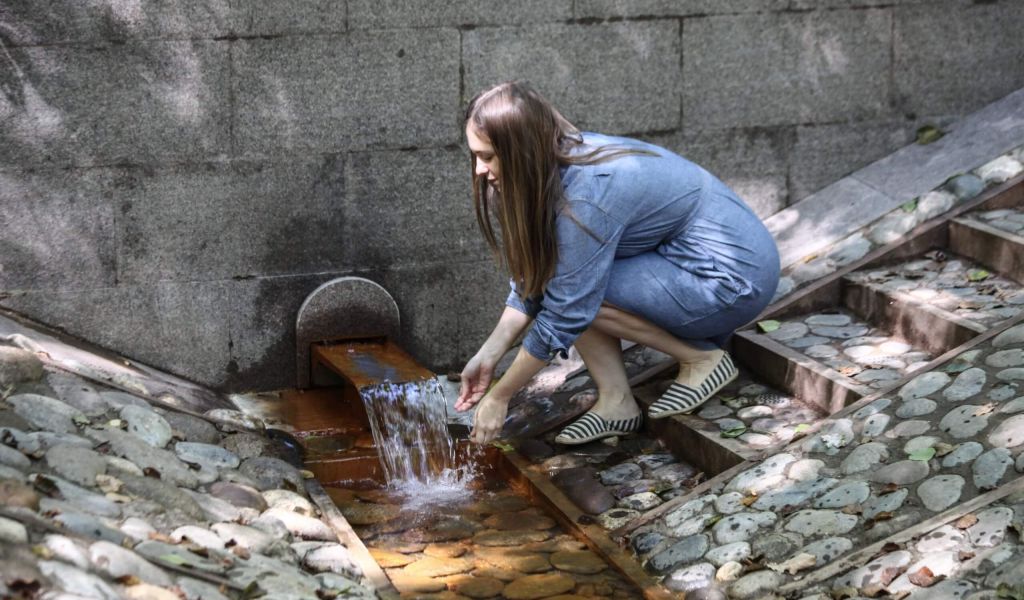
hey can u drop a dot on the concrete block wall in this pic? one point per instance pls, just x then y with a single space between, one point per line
177 175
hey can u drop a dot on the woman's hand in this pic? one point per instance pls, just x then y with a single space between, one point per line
489 419
476 378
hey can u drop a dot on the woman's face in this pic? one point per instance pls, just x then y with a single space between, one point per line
486 163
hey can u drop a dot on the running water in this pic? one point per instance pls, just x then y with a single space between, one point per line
410 429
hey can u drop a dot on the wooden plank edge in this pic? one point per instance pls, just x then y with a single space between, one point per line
347 536
593 535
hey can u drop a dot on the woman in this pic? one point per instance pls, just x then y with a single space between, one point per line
605 239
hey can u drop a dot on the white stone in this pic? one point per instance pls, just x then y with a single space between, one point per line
12 532
934 203
734 552
762 476
814 522
892 226
1009 433
991 526
999 170
940 492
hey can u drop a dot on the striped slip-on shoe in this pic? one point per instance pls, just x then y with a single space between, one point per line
592 427
682 399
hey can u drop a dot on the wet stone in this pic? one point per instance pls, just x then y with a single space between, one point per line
940 492
924 385
532 587
890 503
75 463
942 539
901 473
845 495
714 411
821 351
916 407
147 425
517 520
192 429
827 549
990 468
808 341
578 561
476 587
509 538
736 551
754 412
741 526
836 320
584 490
991 526
46 413
146 456
1012 374
693 577
683 552
763 476
965 421
621 473
756 584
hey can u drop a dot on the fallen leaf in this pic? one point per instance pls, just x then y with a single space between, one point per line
128 580
1006 590
977 275
889 488
307 474
885 515
749 500
852 509
888 574
965 521
924 454
923 577
151 472
926 134
802 427
796 564
768 326
909 206
173 559
156 536
80 420
984 409
942 448
964 555
503 446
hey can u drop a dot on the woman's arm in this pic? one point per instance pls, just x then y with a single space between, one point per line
479 371
490 415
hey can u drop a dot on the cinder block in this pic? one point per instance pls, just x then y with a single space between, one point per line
954 57
403 208
136 102
272 17
395 14
753 162
181 327
56 229
238 219
761 70
614 78
824 153
387 89
28 23
604 9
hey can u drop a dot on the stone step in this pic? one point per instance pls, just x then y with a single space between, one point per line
992 237
872 470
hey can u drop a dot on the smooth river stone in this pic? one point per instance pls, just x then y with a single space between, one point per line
871 574
923 385
754 412
964 421
920 443
821 351
730 503
1014 374
793 495
940 492
715 411
874 408
837 320
875 425
761 477
1006 358
990 467
756 585
917 407
531 587
827 549
694 577
621 473
808 341
991 526
741 526
845 495
962 454
147 425
902 472
1013 336
909 429
1013 406
1009 433
942 539
683 552
864 457
890 502
736 551
76 464
843 333
812 522
48 414
966 385
788 331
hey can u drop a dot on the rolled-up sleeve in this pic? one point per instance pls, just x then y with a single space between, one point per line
587 241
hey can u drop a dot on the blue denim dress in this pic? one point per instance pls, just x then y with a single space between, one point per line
658 237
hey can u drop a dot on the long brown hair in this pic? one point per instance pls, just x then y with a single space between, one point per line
531 140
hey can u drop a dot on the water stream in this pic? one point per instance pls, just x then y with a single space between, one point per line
409 425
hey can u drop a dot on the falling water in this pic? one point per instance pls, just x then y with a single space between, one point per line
409 425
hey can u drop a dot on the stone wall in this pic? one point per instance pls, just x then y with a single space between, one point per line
176 176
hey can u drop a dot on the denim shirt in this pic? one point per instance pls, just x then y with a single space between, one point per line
629 205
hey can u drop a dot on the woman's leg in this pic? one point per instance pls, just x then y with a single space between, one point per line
695 364
602 353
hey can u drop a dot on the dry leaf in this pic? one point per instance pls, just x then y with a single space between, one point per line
156 536
890 573
885 515
852 509
796 564
965 521
752 498
108 484
889 488
128 580
942 448
240 552
984 409
964 555
924 577
151 472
